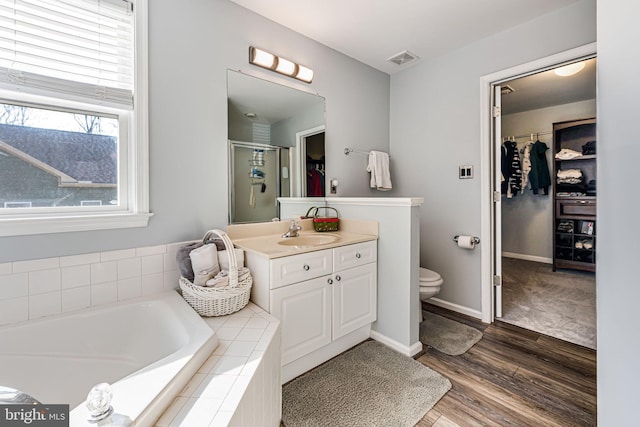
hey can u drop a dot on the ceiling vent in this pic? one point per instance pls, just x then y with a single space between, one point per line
506 90
403 58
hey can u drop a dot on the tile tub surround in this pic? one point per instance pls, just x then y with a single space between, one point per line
245 366
42 287
239 385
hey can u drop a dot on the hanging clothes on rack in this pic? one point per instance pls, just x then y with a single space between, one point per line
539 174
526 164
511 169
315 177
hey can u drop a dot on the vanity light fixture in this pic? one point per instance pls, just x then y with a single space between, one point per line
569 70
273 62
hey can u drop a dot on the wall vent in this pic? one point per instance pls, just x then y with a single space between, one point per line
506 90
403 58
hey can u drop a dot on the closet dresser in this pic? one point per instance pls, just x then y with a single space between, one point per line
574 193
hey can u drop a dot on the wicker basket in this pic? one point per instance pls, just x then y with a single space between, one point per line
219 301
325 223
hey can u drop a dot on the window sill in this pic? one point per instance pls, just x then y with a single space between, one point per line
62 224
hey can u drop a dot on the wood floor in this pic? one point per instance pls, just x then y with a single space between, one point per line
513 377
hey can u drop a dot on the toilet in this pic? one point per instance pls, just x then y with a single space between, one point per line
430 283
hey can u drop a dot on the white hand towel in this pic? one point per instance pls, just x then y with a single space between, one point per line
221 279
379 168
205 263
252 198
223 259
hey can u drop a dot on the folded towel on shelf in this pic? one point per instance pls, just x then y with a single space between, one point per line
379 168
567 154
569 173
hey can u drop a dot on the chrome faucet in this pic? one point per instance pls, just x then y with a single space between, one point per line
293 229
12 396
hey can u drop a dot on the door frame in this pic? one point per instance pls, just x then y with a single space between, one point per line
487 163
298 169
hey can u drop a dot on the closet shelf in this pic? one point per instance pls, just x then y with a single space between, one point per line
575 215
578 158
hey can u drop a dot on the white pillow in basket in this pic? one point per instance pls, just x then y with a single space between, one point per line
223 259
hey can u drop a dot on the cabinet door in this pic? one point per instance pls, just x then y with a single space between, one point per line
304 310
354 299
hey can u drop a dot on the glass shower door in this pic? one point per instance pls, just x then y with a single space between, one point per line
254 182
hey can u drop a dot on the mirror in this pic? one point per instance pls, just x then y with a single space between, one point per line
276 146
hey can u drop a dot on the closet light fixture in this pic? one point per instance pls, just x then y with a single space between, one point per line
280 65
569 70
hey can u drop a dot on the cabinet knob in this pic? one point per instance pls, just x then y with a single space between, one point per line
338 278
306 267
330 281
358 255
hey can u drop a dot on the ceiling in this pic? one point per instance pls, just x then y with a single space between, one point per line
372 31
546 89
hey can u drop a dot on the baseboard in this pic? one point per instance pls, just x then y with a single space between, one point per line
455 307
410 351
528 257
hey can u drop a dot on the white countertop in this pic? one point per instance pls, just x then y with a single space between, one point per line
264 238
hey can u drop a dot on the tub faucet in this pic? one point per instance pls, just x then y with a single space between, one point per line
12 396
293 229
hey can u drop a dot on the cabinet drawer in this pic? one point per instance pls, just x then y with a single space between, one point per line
354 255
293 269
576 208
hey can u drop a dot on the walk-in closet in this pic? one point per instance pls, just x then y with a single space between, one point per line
548 203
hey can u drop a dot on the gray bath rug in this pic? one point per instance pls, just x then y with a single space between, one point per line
369 385
446 335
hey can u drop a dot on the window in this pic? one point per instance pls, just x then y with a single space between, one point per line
73 118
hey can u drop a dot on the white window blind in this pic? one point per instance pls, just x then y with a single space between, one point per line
80 49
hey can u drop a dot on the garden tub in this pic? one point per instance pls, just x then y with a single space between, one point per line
146 348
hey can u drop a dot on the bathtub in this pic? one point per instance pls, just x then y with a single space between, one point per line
146 348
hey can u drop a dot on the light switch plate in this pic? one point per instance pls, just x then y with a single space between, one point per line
465 172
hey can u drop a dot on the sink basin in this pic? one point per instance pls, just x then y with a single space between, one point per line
307 240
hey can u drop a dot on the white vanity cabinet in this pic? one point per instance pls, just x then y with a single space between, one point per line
326 301
305 312
354 296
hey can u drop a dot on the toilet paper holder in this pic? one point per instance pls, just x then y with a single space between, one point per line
475 239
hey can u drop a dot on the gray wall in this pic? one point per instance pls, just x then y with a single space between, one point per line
527 218
283 133
618 206
435 127
191 45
